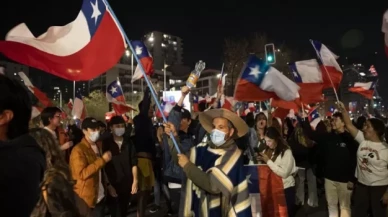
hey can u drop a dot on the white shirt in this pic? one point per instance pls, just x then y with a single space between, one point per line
119 143
284 166
372 162
101 191
52 132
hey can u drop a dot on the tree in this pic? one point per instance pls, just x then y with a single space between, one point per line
236 52
96 105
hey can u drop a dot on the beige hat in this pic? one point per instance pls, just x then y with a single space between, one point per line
206 120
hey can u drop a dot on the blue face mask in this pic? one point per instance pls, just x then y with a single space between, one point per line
217 137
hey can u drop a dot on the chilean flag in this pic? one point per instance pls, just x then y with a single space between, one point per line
314 117
79 108
145 60
329 67
80 50
259 81
42 98
114 95
384 28
307 74
365 89
266 192
70 104
35 112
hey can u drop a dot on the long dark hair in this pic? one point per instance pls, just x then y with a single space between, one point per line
281 146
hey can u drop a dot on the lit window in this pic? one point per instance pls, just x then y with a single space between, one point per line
178 81
174 42
163 45
165 36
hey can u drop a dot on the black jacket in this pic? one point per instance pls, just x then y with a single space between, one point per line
336 155
22 165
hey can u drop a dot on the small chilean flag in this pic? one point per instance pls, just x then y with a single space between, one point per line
42 98
364 88
115 95
80 50
145 60
331 70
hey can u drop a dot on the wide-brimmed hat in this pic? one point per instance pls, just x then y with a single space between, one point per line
206 120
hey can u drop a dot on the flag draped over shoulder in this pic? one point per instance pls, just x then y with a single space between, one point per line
80 50
266 191
225 168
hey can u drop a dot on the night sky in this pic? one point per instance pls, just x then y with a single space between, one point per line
350 30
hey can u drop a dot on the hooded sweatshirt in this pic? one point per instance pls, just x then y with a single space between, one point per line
22 165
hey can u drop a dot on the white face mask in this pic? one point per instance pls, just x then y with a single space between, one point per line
94 136
119 131
217 137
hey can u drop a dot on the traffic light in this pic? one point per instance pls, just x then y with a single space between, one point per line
270 54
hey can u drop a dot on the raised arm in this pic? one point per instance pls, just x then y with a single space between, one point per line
348 123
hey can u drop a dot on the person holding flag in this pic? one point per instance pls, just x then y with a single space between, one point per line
214 169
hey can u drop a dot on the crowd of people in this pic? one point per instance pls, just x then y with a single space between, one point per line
97 169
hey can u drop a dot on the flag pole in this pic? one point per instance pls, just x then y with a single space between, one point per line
327 72
73 91
143 71
132 84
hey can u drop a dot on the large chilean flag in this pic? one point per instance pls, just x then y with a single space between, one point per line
80 50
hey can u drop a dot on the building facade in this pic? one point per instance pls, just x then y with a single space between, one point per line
207 83
165 49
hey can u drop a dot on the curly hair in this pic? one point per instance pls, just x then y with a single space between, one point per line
57 182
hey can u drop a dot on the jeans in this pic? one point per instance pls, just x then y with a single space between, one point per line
99 209
338 193
311 187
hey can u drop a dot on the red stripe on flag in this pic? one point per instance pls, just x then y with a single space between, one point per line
247 91
335 76
366 93
272 197
80 65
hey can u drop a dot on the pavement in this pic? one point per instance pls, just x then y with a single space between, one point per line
305 211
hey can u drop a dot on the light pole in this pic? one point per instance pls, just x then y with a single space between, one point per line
60 96
165 76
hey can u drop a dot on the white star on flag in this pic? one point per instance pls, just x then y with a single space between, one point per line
113 90
295 75
96 12
249 179
138 50
255 71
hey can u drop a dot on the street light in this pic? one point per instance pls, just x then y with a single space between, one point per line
60 96
362 74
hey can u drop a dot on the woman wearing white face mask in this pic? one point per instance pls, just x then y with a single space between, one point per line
86 163
122 170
